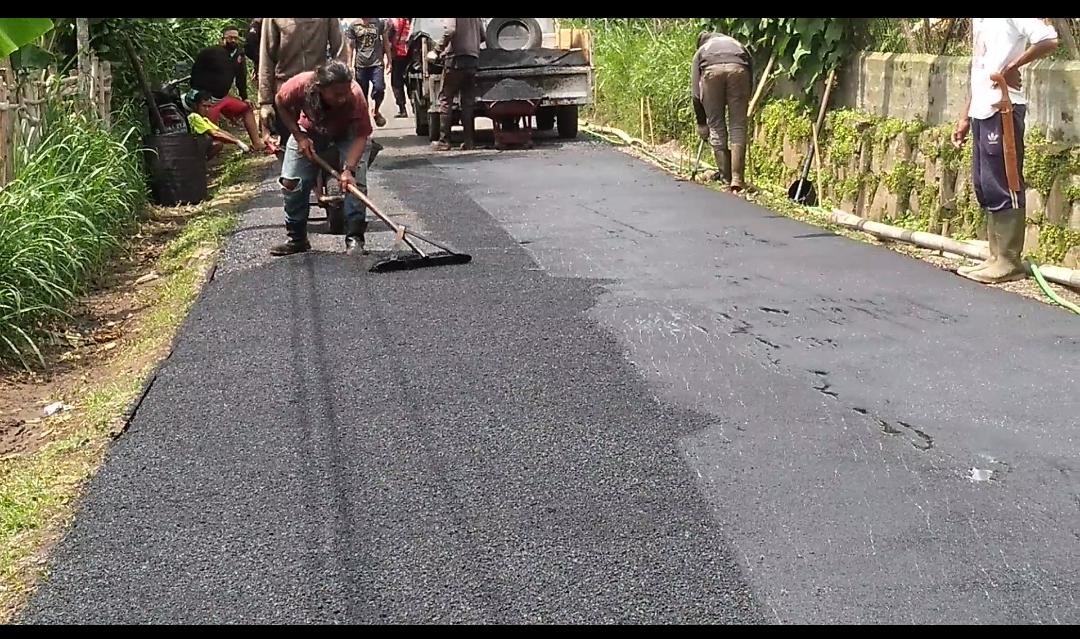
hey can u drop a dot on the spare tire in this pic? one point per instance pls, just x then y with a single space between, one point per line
514 34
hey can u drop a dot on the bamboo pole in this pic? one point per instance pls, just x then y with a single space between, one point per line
761 86
82 30
1057 274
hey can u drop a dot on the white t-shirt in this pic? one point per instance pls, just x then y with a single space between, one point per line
995 43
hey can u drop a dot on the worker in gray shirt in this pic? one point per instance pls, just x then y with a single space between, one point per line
369 47
460 49
721 82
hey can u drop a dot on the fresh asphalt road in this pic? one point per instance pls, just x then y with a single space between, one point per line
643 401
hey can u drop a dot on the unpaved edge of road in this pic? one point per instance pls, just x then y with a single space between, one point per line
775 199
102 384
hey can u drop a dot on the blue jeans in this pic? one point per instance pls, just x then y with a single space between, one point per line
294 166
374 79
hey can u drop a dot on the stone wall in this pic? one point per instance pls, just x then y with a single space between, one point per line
933 89
887 155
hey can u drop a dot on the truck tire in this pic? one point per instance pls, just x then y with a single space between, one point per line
514 34
567 117
545 119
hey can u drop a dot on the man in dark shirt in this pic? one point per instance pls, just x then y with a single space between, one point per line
320 109
721 79
215 70
461 55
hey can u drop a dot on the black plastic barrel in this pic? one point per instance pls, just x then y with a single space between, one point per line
177 168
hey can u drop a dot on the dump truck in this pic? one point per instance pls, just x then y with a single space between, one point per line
528 58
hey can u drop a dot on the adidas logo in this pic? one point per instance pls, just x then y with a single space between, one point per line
992 137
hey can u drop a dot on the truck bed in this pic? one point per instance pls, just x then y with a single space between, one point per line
492 59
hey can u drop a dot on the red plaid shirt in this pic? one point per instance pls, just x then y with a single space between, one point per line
400 41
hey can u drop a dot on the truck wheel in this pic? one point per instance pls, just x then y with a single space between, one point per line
433 127
567 119
545 119
514 34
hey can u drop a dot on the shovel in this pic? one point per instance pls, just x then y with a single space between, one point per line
419 258
697 162
801 191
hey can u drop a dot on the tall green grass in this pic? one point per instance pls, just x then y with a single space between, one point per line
645 57
79 185
60 219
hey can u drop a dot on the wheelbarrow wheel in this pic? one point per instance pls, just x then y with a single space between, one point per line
335 218
335 211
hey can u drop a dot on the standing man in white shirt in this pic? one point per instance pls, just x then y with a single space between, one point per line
1000 45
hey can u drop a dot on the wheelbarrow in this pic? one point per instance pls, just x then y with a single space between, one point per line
512 122
327 192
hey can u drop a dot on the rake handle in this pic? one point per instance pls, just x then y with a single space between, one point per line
399 229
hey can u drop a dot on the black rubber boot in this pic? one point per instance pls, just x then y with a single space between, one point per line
375 148
1007 228
737 155
469 124
298 242
444 133
995 251
723 165
354 236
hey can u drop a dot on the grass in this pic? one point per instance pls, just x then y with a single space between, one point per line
38 491
59 221
637 58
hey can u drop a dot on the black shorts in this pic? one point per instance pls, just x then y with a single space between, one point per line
988 162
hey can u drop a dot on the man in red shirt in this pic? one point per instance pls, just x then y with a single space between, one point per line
320 109
398 34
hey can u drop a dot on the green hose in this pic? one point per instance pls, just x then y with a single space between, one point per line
1049 291
617 142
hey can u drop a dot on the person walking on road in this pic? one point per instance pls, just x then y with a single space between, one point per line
721 81
288 46
320 109
1000 45
397 34
369 48
460 49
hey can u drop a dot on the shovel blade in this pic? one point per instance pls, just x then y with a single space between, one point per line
410 262
802 192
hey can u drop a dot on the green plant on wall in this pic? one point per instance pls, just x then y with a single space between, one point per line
805 48
1054 242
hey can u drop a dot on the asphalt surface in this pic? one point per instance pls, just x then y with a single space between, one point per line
643 401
